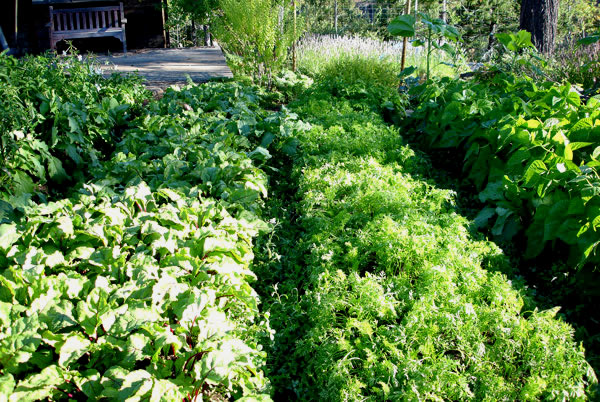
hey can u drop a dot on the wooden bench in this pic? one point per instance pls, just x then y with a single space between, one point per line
89 22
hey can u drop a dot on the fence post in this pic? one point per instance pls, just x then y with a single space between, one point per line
294 42
444 12
405 41
335 18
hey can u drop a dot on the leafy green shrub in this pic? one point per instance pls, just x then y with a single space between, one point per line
581 66
254 38
58 116
382 72
529 148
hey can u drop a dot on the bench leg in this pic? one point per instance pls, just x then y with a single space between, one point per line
124 40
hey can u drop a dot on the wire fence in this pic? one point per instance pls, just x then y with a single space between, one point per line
362 17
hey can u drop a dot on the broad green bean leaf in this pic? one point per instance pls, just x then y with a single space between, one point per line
56 170
568 231
74 154
533 172
72 349
482 218
588 40
8 235
493 191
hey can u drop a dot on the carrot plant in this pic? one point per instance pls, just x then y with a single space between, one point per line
379 291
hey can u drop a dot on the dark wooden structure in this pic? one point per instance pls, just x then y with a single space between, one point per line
91 22
27 28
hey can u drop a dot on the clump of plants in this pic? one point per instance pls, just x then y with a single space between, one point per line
385 295
58 116
319 52
256 36
137 284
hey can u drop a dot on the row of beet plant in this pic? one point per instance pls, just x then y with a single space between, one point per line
380 292
137 286
57 116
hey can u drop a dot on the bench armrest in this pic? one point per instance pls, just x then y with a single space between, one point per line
124 20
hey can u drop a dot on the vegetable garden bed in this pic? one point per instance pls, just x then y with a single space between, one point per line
142 279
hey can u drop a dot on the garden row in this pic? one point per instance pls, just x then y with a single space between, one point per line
378 289
531 151
136 285
57 117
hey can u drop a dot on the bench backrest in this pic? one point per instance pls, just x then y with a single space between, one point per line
87 19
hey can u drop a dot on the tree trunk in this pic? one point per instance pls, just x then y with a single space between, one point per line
540 18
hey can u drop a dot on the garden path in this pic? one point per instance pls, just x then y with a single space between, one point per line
165 67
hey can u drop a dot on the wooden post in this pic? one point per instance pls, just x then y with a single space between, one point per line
335 18
405 41
294 43
17 24
165 16
444 12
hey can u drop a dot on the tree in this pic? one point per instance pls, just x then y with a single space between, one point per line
540 17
